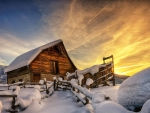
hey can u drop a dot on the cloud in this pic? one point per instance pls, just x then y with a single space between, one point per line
12 46
93 29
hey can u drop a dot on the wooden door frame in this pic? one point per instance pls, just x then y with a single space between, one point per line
57 65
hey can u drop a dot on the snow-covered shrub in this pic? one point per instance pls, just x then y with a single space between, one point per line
135 90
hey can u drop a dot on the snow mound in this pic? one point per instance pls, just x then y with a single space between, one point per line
135 90
112 107
34 95
98 98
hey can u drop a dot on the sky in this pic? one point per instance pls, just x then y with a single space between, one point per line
90 30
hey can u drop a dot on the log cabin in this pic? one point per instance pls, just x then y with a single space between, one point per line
46 61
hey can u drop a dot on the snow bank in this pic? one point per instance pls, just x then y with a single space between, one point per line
34 95
89 81
98 98
112 107
135 90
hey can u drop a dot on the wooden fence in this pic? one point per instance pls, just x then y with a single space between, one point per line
104 74
24 85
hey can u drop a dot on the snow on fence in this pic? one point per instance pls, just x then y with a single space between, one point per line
84 94
100 74
11 94
43 85
62 84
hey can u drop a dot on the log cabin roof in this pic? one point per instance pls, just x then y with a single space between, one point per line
26 58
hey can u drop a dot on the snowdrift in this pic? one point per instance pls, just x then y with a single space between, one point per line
135 90
24 103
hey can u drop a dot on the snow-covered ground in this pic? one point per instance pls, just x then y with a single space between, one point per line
110 91
61 101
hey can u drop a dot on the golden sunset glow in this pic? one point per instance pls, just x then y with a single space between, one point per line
93 29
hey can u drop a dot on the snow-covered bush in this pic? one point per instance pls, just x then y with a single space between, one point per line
135 90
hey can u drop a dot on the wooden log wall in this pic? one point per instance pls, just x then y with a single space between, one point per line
41 64
22 73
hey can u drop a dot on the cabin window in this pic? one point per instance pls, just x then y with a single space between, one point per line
54 67
13 81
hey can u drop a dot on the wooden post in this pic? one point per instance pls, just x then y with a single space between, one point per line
86 99
13 103
24 84
54 85
113 71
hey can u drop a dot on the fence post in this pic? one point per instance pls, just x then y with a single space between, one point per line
86 99
54 78
24 84
13 103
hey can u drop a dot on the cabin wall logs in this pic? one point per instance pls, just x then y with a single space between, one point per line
18 74
25 77
41 64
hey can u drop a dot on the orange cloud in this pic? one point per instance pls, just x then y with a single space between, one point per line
93 29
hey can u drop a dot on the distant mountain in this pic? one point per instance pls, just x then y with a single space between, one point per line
3 77
120 78
2 69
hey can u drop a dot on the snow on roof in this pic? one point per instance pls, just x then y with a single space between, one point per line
26 58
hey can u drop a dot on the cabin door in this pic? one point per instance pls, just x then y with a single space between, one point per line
36 77
54 67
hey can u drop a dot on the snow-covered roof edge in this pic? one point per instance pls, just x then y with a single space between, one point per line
26 58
